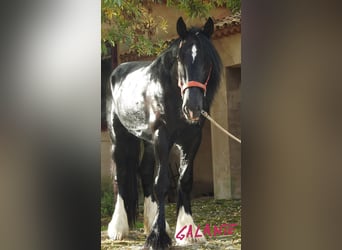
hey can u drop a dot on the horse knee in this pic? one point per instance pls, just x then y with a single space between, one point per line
186 185
162 187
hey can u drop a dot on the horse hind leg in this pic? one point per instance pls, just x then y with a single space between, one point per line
126 159
146 171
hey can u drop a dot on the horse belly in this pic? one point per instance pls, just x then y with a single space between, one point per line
131 114
131 107
138 102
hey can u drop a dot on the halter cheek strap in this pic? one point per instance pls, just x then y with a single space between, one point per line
190 84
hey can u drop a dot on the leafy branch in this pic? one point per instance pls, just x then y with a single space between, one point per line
201 8
130 22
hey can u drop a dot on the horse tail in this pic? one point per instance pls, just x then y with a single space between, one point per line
127 175
110 109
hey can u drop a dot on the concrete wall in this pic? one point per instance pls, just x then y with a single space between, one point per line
229 49
234 126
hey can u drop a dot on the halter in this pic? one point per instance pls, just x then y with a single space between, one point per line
190 84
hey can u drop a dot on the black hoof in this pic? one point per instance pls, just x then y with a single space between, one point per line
158 240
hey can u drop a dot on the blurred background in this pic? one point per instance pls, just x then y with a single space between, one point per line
50 136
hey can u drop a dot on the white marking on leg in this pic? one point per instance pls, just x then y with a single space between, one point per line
194 52
185 219
150 211
150 215
118 227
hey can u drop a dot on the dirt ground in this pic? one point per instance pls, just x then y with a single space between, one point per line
205 211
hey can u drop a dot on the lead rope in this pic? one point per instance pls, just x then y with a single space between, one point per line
206 115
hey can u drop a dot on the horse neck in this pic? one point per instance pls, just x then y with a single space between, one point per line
164 67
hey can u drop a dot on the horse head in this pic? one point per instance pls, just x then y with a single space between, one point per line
194 67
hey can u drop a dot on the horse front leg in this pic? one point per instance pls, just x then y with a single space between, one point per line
146 171
186 230
158 237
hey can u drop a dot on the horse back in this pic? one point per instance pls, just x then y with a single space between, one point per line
126 68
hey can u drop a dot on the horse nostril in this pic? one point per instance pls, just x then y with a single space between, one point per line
192 113
186 110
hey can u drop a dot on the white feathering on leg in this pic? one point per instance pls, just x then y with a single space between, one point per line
118 227
150 213
185 219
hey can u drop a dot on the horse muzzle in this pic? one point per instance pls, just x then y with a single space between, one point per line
192 116
192 104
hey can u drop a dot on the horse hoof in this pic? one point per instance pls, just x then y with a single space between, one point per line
189 241
167 228
158 240
115 232
187 232
118 227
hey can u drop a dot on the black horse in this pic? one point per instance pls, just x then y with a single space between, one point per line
151 107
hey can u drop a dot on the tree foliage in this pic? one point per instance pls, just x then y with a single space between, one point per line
200 8
130 22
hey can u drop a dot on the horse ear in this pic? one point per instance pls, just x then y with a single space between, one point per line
181 28
208 29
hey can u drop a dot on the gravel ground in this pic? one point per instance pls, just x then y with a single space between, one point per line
205 211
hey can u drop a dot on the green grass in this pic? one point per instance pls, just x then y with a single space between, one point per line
107 199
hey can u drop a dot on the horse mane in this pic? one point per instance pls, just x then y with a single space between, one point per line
167 58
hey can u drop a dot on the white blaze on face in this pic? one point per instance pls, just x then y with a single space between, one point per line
194 52
118 227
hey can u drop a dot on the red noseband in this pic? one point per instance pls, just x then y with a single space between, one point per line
190 84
